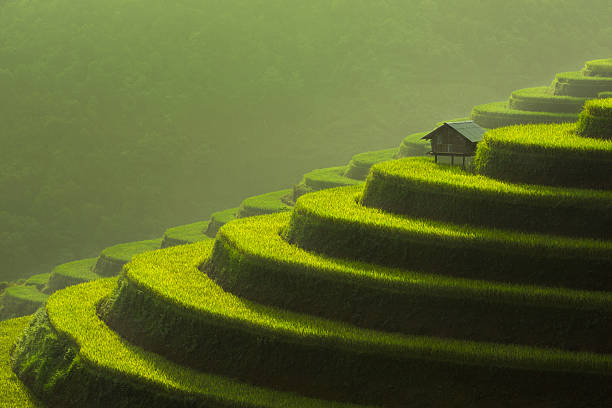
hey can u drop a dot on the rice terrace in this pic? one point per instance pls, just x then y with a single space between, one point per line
393 281
468 266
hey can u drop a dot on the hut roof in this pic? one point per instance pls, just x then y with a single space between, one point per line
468 129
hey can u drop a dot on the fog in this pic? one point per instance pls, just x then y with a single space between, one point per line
120 119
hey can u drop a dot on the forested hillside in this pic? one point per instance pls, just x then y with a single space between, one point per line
121 118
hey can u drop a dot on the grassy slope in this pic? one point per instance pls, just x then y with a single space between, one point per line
71 273
332 222
545 154
13 394
190 305
252 261
264 204
20 300
103 355
112 259
420 188
498 114
185 234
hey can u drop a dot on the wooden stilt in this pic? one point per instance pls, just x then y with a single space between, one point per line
436 158
452 160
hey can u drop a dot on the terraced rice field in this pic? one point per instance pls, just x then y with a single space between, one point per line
425 285
559 102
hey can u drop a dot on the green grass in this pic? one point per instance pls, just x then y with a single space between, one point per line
320 179
413 145
218 219
545 154
359 166
185 234
330 177
596 119
179 308
112 259
13 394
98 368
252 261
576 84
498 114
267 203
542 99
420 188
332 222
71 273
605 94
39 280
599 67
17 301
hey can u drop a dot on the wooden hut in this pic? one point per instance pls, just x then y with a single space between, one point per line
455 139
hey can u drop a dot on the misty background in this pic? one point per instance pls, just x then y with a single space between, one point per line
121 118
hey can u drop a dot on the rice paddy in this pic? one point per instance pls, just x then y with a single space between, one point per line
105 363
542 99
71 273
220 218
268 203
576 84
13 394
359 166
112 259
499 114
251 260
599 67
554 155
21 300
185 234
420 188
596 119
332 222
429 285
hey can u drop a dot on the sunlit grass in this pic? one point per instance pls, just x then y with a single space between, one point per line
267 203
596 119
320 179
600 107
13 394
125 251
553 154
112 259
218 219
72 313
332 222
340 205
25 294
20 300
38 280
542 99
172 275
71 273
599 67
259 241
425 172
185 234
575 83
498 114
419 187
360 164
559 139
413 145
329 177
